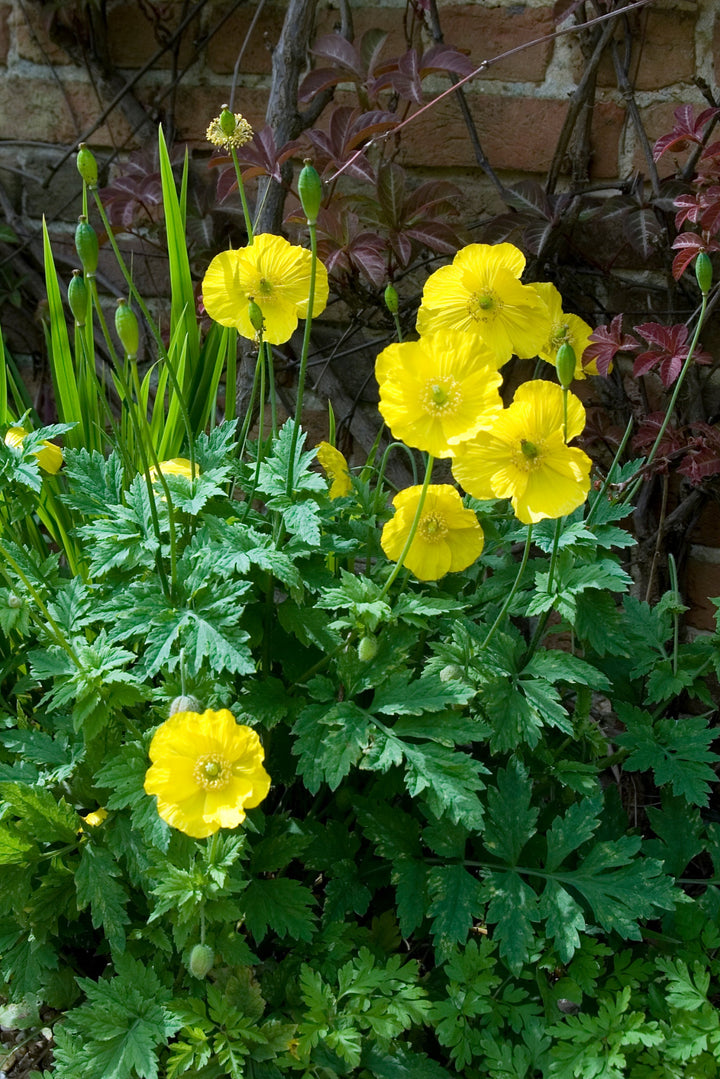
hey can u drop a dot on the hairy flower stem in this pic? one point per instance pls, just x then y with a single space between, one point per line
413 527
261 433
398 330
635 487
243 197
511 593
172 374
271 387
303 359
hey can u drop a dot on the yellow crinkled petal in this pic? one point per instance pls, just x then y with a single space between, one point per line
483 261
187 797
544 403
223 295
557 489
336 469
438 391
564 329
449 536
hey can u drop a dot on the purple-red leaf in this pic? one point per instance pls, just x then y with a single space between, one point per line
686 130
605 343
670 351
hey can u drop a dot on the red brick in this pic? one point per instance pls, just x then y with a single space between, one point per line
701 584
663 50
487 32
57 114
707 529
134 39
30 23
223 47
196 106
515 133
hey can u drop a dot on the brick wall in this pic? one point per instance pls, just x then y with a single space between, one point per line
49 100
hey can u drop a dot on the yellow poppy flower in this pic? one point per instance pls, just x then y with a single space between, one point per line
448 538
176 466
206 771
525 457
564 330
49 456
274 274
96 818
480 292
336 469
439 390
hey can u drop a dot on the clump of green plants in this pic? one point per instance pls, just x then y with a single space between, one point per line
303 774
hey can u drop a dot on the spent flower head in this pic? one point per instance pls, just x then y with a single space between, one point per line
229 130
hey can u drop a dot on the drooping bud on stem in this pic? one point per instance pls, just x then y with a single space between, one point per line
256 317
126 327
565 363
367 649
184 703
703 272
86 245
310 191
87 165
391 299
202 960
78 297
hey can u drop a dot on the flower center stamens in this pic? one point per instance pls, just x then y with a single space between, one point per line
441 396
529 449
432 527
212 772
484 305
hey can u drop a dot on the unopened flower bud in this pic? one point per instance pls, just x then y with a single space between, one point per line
391 299
87 165
367 649
14 601
86 245
256 317
565 364
202 959
310 191
126 327
703 272
450 672
227 121
78 297
185 704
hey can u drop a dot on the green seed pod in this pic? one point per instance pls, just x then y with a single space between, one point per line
703 272
565 364
78 297
86 245
367 649
87 165
185 704
227 121
126 327
310 191
391 299
202 959
256 317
